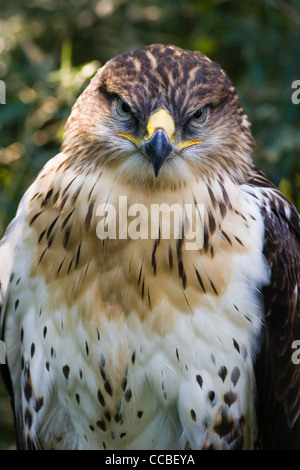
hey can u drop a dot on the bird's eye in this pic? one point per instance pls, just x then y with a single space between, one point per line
122 108
200 115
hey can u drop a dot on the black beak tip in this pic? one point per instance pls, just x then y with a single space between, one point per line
158 148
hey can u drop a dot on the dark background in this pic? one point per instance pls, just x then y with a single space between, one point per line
49 49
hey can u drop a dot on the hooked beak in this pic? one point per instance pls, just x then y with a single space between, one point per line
159 146
160 140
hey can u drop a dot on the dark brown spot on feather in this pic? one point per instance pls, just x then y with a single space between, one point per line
41 236
170 257
39 402
143 289
50 240
68 185
66 371
101 424
66 236
28 389
212 397
34 197
91 191
102 372
118 417
235 375
35 217
140 273
48 195
222 373
230 398
124 383
70 265
181 270
100 398
108 388
88 218
199 380
200 280
236 345
52 226
239 241
42 255
153 259
28 418
213 286
205 238
211 223
60 266
76 194
67 219
225 196
63 163
128 395
133 357
77 255
223 209
226 237
63 202
55 197
225 425
212 196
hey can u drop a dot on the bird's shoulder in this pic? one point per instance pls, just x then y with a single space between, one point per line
277 372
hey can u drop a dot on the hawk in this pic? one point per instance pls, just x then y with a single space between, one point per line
139 342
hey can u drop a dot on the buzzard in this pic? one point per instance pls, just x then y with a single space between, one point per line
138 341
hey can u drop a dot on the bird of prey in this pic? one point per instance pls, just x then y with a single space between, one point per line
139 341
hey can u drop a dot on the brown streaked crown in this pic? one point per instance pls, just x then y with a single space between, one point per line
166 77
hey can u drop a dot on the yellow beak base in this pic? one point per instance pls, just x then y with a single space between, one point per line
161 120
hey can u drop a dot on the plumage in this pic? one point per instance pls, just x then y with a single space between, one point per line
137 341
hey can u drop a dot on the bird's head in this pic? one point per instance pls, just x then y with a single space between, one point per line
158 115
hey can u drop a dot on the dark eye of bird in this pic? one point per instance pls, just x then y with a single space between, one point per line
125 107
200 115
122 108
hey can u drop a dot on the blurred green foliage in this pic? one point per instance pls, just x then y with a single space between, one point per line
49 49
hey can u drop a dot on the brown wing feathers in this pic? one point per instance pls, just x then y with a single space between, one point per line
278 377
